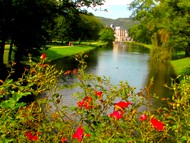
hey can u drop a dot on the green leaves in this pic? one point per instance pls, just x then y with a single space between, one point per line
51 122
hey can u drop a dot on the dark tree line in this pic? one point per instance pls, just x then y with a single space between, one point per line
29 24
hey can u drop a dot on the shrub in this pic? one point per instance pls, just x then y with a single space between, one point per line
103 113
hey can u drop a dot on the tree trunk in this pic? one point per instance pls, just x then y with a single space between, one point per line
187 51
2 48
10 51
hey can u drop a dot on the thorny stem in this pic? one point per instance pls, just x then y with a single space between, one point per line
57 108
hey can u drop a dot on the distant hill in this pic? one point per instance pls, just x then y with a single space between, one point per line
123 22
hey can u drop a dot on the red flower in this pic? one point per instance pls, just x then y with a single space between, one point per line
87 135
79 133
32 137
86 102
87 105
80 103
143 117
67 72
116 114
157 124
99 93
75 71
122 104
43 56
63 140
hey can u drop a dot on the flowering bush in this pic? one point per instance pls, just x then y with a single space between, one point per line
103 112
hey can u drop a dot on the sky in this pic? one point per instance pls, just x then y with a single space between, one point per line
116 9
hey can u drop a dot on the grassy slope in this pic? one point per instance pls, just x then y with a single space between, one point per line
181 66
142 44
57 52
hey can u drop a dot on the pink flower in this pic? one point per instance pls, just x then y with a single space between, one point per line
123 104
32 137
79 133
99 93
116 114
157 124
143 117
43 56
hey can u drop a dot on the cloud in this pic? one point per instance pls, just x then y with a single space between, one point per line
115 9
116 2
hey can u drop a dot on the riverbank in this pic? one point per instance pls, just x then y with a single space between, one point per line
149 46
181 66
57 52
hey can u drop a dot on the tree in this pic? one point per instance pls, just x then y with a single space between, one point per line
81 26
29 23
32 19
90 27
6 20
167 22
107 34
140 33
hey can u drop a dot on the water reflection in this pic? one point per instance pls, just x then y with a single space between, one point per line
122 62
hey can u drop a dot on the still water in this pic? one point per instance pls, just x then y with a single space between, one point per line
126 63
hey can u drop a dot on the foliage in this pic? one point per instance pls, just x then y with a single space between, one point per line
29 24
166 23
107 34
63 51
103 113
181 66
90 27
140 34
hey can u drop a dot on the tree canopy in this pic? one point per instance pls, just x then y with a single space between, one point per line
166 22
107 34
29 24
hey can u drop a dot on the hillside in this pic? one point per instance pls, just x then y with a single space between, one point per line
123 22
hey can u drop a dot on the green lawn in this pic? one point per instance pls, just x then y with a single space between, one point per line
6 52
57 52
181 66
149 46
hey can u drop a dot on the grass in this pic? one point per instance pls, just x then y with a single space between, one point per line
6 53
181 66
57 52
149 46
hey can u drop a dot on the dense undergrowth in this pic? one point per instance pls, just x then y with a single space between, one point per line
104 113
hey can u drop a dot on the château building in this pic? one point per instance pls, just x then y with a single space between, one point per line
120 33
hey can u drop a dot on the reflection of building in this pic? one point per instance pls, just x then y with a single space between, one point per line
120 33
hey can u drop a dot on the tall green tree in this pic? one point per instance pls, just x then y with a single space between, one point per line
167 22
90 27
29 23
107 34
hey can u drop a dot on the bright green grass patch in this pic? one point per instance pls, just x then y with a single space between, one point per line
149 46
57 52
6 53
181 66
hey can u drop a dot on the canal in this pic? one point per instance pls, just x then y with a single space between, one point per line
121 62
